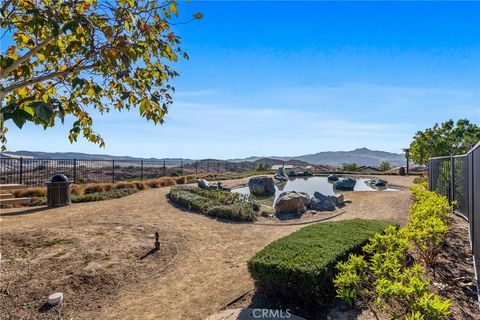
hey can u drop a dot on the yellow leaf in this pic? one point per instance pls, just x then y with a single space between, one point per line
22 92
91 93
173 8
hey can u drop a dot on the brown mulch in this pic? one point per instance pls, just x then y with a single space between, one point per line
453 277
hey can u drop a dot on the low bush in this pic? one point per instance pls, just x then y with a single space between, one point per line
124 185
97 187
180 180
78 190
112 194
30 192
300 267
216 203
386 277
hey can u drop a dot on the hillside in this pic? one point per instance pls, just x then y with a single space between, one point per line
362 156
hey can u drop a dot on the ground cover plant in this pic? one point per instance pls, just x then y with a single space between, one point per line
215 203
386 278
300 267
101 191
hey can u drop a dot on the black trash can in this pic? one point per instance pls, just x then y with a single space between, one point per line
59 191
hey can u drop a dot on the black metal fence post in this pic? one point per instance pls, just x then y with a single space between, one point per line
452 179
181 168
21 170
207 167
196 167
141 169
164 169
113 171
74 170
218 167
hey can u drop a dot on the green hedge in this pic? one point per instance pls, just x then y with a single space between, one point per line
300 267
215 203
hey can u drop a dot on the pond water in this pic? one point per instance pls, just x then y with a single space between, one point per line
310 185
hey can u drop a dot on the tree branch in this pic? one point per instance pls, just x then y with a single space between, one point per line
5 72
46 77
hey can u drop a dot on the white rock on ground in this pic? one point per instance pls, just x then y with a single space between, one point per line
55 298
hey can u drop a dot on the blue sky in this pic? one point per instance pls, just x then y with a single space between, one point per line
290 78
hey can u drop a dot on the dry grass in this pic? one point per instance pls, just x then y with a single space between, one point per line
30 192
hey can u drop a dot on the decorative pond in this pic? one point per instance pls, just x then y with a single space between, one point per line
310 185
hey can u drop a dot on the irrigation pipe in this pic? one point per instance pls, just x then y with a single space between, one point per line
157 273
229 303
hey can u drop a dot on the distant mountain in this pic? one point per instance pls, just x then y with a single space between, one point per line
80 156
362 156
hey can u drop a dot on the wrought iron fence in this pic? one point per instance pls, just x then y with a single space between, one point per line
458 178
36 172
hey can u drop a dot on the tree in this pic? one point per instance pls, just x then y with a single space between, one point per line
352 167
385 166
68 57
444 140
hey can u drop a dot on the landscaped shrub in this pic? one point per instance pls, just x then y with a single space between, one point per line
180 180
386 278
124 185
300 267
78 190
140 185
112 194
216 203
428 225
30 192
97 187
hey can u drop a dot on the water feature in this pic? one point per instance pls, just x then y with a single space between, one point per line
311 185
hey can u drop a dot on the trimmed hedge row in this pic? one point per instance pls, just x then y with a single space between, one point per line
300 267
215 203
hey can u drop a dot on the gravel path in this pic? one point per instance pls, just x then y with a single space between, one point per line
211 266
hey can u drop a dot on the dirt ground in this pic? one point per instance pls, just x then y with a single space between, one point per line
91 252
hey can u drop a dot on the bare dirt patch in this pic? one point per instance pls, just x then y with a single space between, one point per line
210 270
88 263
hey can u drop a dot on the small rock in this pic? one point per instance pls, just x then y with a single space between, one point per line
55 298
118 228
140 229
151 235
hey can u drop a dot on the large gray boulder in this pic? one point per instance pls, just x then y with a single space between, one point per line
321 202
333 177
261 186
292 202
203 184
345 184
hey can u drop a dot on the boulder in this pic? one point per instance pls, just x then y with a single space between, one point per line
321 202
402 171
222 186
203 184
333 177
261 186
292 202
345 184
380 183
338 199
